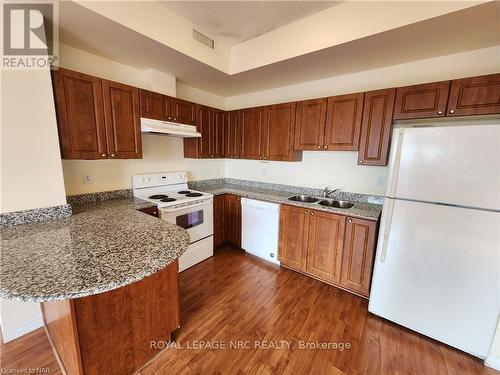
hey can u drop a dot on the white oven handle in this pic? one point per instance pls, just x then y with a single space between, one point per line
204 203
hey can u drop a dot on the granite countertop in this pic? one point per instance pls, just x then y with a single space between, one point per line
102 246
361 210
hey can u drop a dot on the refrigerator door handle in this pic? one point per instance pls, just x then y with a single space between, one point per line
395 166
387 230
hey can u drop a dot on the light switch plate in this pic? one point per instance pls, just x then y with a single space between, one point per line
86 178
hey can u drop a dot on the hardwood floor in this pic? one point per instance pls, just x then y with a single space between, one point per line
235 298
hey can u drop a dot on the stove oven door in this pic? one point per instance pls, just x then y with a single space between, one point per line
197 219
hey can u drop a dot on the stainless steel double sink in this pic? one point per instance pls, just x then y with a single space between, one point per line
321 201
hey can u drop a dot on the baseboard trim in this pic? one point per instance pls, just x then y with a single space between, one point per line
493 361
21 331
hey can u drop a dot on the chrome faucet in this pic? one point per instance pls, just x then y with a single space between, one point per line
327 193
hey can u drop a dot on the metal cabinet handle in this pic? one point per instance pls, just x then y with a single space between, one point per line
452 111
326 147
104 155
175 118
319 146
361 162
306 212
312 213
440 112
112 155
350 220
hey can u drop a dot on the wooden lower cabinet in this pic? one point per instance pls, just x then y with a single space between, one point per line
219 220
324 245
233 219
227 220
359 252
294 223
111 333
330 247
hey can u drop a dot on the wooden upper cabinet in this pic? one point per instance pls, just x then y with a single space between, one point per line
153 105
217 135
325 242
310 124
293 235
358 257
233 219
205 123
376 127
232 135
475 96
343 122
280 133
182 111
421 101
253 123
80 116
122 118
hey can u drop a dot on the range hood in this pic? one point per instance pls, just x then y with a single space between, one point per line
168 128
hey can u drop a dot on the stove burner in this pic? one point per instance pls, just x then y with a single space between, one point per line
158 196
184 192
194 195
167 199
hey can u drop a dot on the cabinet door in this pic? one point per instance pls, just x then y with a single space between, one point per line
122 118
343 122
324 250
421 101
294 226
205 123
376 127
218 133
280 133
219 222
153 105
182 111
80 117
233 219
359 251
232 135
310 124
475 96
253 137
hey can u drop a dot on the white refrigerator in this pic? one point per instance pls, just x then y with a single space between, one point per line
437 266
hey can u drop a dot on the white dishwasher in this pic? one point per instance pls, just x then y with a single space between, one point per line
260 228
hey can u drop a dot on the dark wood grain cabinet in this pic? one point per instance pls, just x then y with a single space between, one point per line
253 127
152 211
343 122
233 219
122 118
280 131
376 127
219 209
217 134
310 124
421 101
232 135
333 248
154 106
325 243
475 96
293 235
80 115
182 111
358 255
202 147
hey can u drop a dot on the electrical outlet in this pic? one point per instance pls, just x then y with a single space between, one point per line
380 182
86 178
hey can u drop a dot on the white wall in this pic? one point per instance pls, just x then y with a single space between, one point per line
159 153
340 169
31 173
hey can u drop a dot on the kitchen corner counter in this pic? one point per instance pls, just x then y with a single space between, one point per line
102 246
368 211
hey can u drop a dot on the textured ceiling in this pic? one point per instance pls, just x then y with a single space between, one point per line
236 21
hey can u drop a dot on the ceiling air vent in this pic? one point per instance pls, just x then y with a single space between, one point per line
203 39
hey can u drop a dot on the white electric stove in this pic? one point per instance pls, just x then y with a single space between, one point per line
177 204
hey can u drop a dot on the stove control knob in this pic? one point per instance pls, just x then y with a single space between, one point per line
147 179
